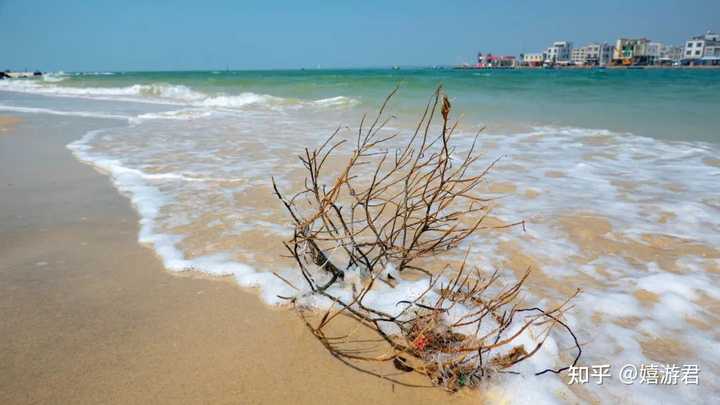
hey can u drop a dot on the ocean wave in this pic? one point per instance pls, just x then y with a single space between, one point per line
153 92
336 102
94 73
243 100
173 94
54 77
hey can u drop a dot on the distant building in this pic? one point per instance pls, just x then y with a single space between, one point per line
654 49
592 54
599 54
559 52
695 47
703 49
712 50
577 55
492 61
711 54
671 54
631 52
661 54
533 59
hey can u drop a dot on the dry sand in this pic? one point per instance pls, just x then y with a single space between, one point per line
90 316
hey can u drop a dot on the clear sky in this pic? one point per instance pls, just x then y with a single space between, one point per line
94 35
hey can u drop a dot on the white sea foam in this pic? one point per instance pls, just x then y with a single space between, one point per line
54 77
93 73
86 114
182 114
184 170
160 93
336 101
176 115
243 100
138 92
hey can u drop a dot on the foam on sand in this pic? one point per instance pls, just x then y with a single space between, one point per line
85 114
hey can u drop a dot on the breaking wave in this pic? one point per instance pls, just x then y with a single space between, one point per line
54 77
160 93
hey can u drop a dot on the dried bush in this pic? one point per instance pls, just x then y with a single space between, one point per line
393 209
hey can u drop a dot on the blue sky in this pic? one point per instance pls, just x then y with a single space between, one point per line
176 35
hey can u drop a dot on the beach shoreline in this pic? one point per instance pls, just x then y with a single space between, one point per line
603 209
91 316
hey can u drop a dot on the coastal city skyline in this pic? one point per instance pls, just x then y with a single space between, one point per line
697 50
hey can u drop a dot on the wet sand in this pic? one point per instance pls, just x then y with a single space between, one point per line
7 123
91 316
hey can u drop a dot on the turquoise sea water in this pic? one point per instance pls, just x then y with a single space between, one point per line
679 104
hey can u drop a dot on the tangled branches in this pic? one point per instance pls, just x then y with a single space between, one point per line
380 231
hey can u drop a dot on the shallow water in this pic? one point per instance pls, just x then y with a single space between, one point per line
629 212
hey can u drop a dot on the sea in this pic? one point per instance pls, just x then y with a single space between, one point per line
616 174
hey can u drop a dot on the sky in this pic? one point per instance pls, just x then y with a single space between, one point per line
100 35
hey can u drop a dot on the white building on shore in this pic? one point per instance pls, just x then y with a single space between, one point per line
702 46
712 50
577 55
593 54
673 53
533 59
559 52
659 53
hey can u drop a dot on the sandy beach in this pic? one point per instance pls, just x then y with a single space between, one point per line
91 316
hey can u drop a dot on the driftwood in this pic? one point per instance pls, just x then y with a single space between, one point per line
393 213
